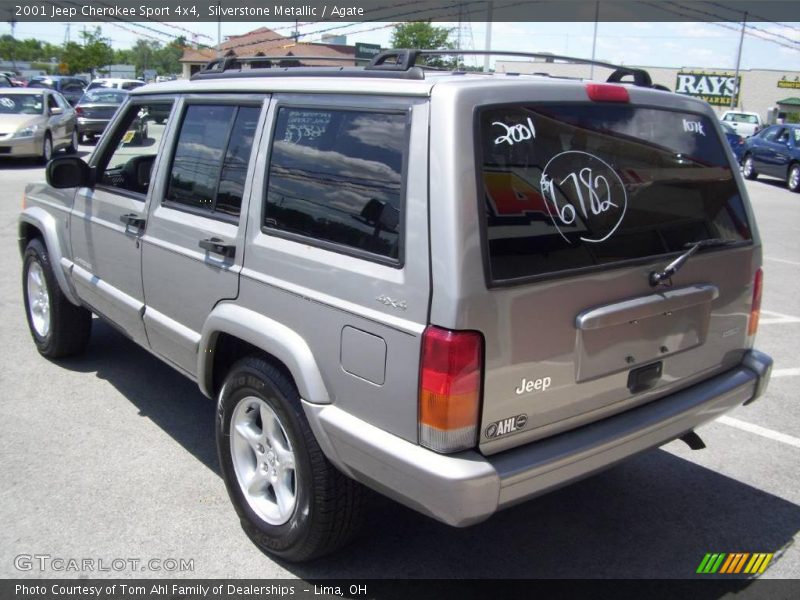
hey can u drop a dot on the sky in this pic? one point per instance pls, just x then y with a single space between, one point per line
709 45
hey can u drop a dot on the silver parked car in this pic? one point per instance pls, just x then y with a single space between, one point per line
461 290
35 123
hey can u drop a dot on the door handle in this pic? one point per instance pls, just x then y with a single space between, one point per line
218 246
132 220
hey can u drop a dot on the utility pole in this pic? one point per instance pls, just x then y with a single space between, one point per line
219 33
594 38
488 43
13 24
735 96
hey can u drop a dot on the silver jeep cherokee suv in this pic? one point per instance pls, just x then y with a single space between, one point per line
458 289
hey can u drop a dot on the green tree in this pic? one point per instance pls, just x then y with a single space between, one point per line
168 57
424 36
95 52
143 54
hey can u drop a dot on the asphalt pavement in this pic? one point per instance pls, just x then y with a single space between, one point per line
110 457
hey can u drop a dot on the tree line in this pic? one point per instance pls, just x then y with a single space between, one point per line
92 52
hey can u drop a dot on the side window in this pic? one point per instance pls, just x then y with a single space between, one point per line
771 134
62 102
210 163
51 102
783 136
337 176
129 164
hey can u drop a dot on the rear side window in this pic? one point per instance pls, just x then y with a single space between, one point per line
574 186
336 176
210 164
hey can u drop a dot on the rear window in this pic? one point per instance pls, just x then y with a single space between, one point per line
42 83
742 118
576 186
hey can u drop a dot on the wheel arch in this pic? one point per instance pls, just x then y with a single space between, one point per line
35 222
233 331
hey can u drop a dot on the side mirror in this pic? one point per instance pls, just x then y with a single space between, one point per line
56 110
69 172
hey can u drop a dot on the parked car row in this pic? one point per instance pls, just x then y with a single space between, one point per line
35 122
775 152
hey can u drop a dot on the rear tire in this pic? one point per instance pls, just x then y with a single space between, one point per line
58 327
291 501
793 178
748 167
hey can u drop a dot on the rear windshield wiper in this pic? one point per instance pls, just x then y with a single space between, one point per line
657 277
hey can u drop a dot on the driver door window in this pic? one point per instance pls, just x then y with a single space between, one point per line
135 143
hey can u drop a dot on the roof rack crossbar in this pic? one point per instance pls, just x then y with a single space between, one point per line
402 59
224 63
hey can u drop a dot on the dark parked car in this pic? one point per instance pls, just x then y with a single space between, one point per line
774 151
98 106
69 87
735 141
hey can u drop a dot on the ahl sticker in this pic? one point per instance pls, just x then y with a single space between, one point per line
506 426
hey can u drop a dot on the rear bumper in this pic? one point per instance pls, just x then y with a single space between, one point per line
92 126
466 488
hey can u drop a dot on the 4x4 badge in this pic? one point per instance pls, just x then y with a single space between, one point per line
506 426
401 304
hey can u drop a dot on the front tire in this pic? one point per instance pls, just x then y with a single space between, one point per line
73 143
47 148
793 179
58 327
749 168
291 501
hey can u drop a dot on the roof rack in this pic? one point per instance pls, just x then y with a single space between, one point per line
404 59
270 66
398 63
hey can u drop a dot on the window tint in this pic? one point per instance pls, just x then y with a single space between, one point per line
62 102
51 102
575 186
742 118
336 176
130 164
771 134
210 163
41 83
72 86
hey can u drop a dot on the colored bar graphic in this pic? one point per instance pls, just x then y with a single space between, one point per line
758 564
711 563
734 562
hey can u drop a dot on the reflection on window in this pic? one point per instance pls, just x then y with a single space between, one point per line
210 164
130 165
578 185
336 176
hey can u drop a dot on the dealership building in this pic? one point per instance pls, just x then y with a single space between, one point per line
770 93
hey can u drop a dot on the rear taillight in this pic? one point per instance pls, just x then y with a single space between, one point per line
78 110
755 309
607 92
450 389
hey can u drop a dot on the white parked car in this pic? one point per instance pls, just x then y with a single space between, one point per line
121 84
745 123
